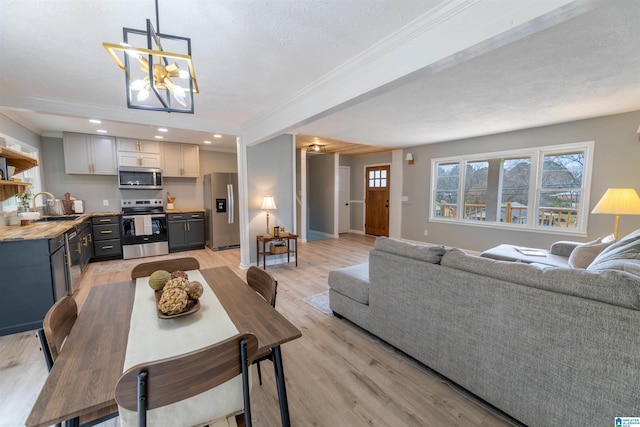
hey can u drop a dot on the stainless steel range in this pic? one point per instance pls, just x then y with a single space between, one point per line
144 228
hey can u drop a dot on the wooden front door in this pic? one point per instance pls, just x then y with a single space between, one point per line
377 201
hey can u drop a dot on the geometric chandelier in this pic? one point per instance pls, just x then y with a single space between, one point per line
157 78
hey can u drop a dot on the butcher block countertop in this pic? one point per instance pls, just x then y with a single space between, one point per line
44 229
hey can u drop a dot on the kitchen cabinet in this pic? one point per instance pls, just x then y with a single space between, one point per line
180 160
29 269
107 241
21 162
89 154
133 152
85 242
186 231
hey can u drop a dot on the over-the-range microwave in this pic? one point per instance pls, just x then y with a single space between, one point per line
134 178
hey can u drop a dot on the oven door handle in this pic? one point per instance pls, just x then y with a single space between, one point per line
152 216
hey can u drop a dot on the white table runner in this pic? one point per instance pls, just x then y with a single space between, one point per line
152 338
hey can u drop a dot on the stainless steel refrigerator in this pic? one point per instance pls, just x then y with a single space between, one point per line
220 195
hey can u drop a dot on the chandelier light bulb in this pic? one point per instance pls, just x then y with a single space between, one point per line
143 94
183 74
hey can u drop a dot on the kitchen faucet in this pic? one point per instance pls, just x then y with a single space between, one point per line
55 208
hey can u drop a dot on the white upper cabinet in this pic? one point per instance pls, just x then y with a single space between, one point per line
133 152
89 154
180 160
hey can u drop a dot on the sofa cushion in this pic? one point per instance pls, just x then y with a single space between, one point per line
615 256
352 281
583 255
420 252
620 288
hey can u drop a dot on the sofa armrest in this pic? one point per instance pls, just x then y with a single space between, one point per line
563 247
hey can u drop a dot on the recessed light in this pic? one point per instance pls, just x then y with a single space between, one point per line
159 137
101 131
97 122
163 130
207 142
217 135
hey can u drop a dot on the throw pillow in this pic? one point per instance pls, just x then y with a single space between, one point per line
584 254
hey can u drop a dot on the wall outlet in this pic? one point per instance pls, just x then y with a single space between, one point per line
426 232
105 202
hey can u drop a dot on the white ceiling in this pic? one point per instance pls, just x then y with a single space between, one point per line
395 73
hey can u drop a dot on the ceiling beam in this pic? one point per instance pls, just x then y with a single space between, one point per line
444 32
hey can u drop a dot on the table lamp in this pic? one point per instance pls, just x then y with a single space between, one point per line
268 203
618 201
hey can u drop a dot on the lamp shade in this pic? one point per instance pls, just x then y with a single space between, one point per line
268 203
618 201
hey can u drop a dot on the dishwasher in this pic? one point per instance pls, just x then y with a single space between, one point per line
74 253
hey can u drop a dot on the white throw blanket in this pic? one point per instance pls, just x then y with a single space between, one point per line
152 338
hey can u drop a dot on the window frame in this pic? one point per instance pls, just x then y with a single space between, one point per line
536 155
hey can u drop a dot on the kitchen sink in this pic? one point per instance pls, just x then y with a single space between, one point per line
58 218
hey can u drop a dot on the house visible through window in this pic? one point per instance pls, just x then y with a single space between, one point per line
543 187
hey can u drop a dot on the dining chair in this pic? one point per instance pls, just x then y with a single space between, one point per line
170 265
155 384
56 326
267 287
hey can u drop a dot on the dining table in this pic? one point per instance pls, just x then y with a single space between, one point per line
83 377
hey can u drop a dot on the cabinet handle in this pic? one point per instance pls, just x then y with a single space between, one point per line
106 232
141 146
185 226
188 227
176 217
108 247
195 216
68 255
85 241
105 220
79 250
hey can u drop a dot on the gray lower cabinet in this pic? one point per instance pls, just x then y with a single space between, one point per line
186 231
32 272
107 242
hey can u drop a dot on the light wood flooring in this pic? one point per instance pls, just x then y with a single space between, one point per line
336 374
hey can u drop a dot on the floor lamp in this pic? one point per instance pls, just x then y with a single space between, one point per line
618 201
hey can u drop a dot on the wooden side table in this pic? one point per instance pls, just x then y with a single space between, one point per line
266 239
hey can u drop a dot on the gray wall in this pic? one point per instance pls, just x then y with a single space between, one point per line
270 172
321 172
11 129
617 152
96 188
357 186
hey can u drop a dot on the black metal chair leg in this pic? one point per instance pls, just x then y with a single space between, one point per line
259 373
245 383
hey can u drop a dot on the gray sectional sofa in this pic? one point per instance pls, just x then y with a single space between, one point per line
549 346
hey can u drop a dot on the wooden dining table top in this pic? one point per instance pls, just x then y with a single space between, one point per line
84 375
